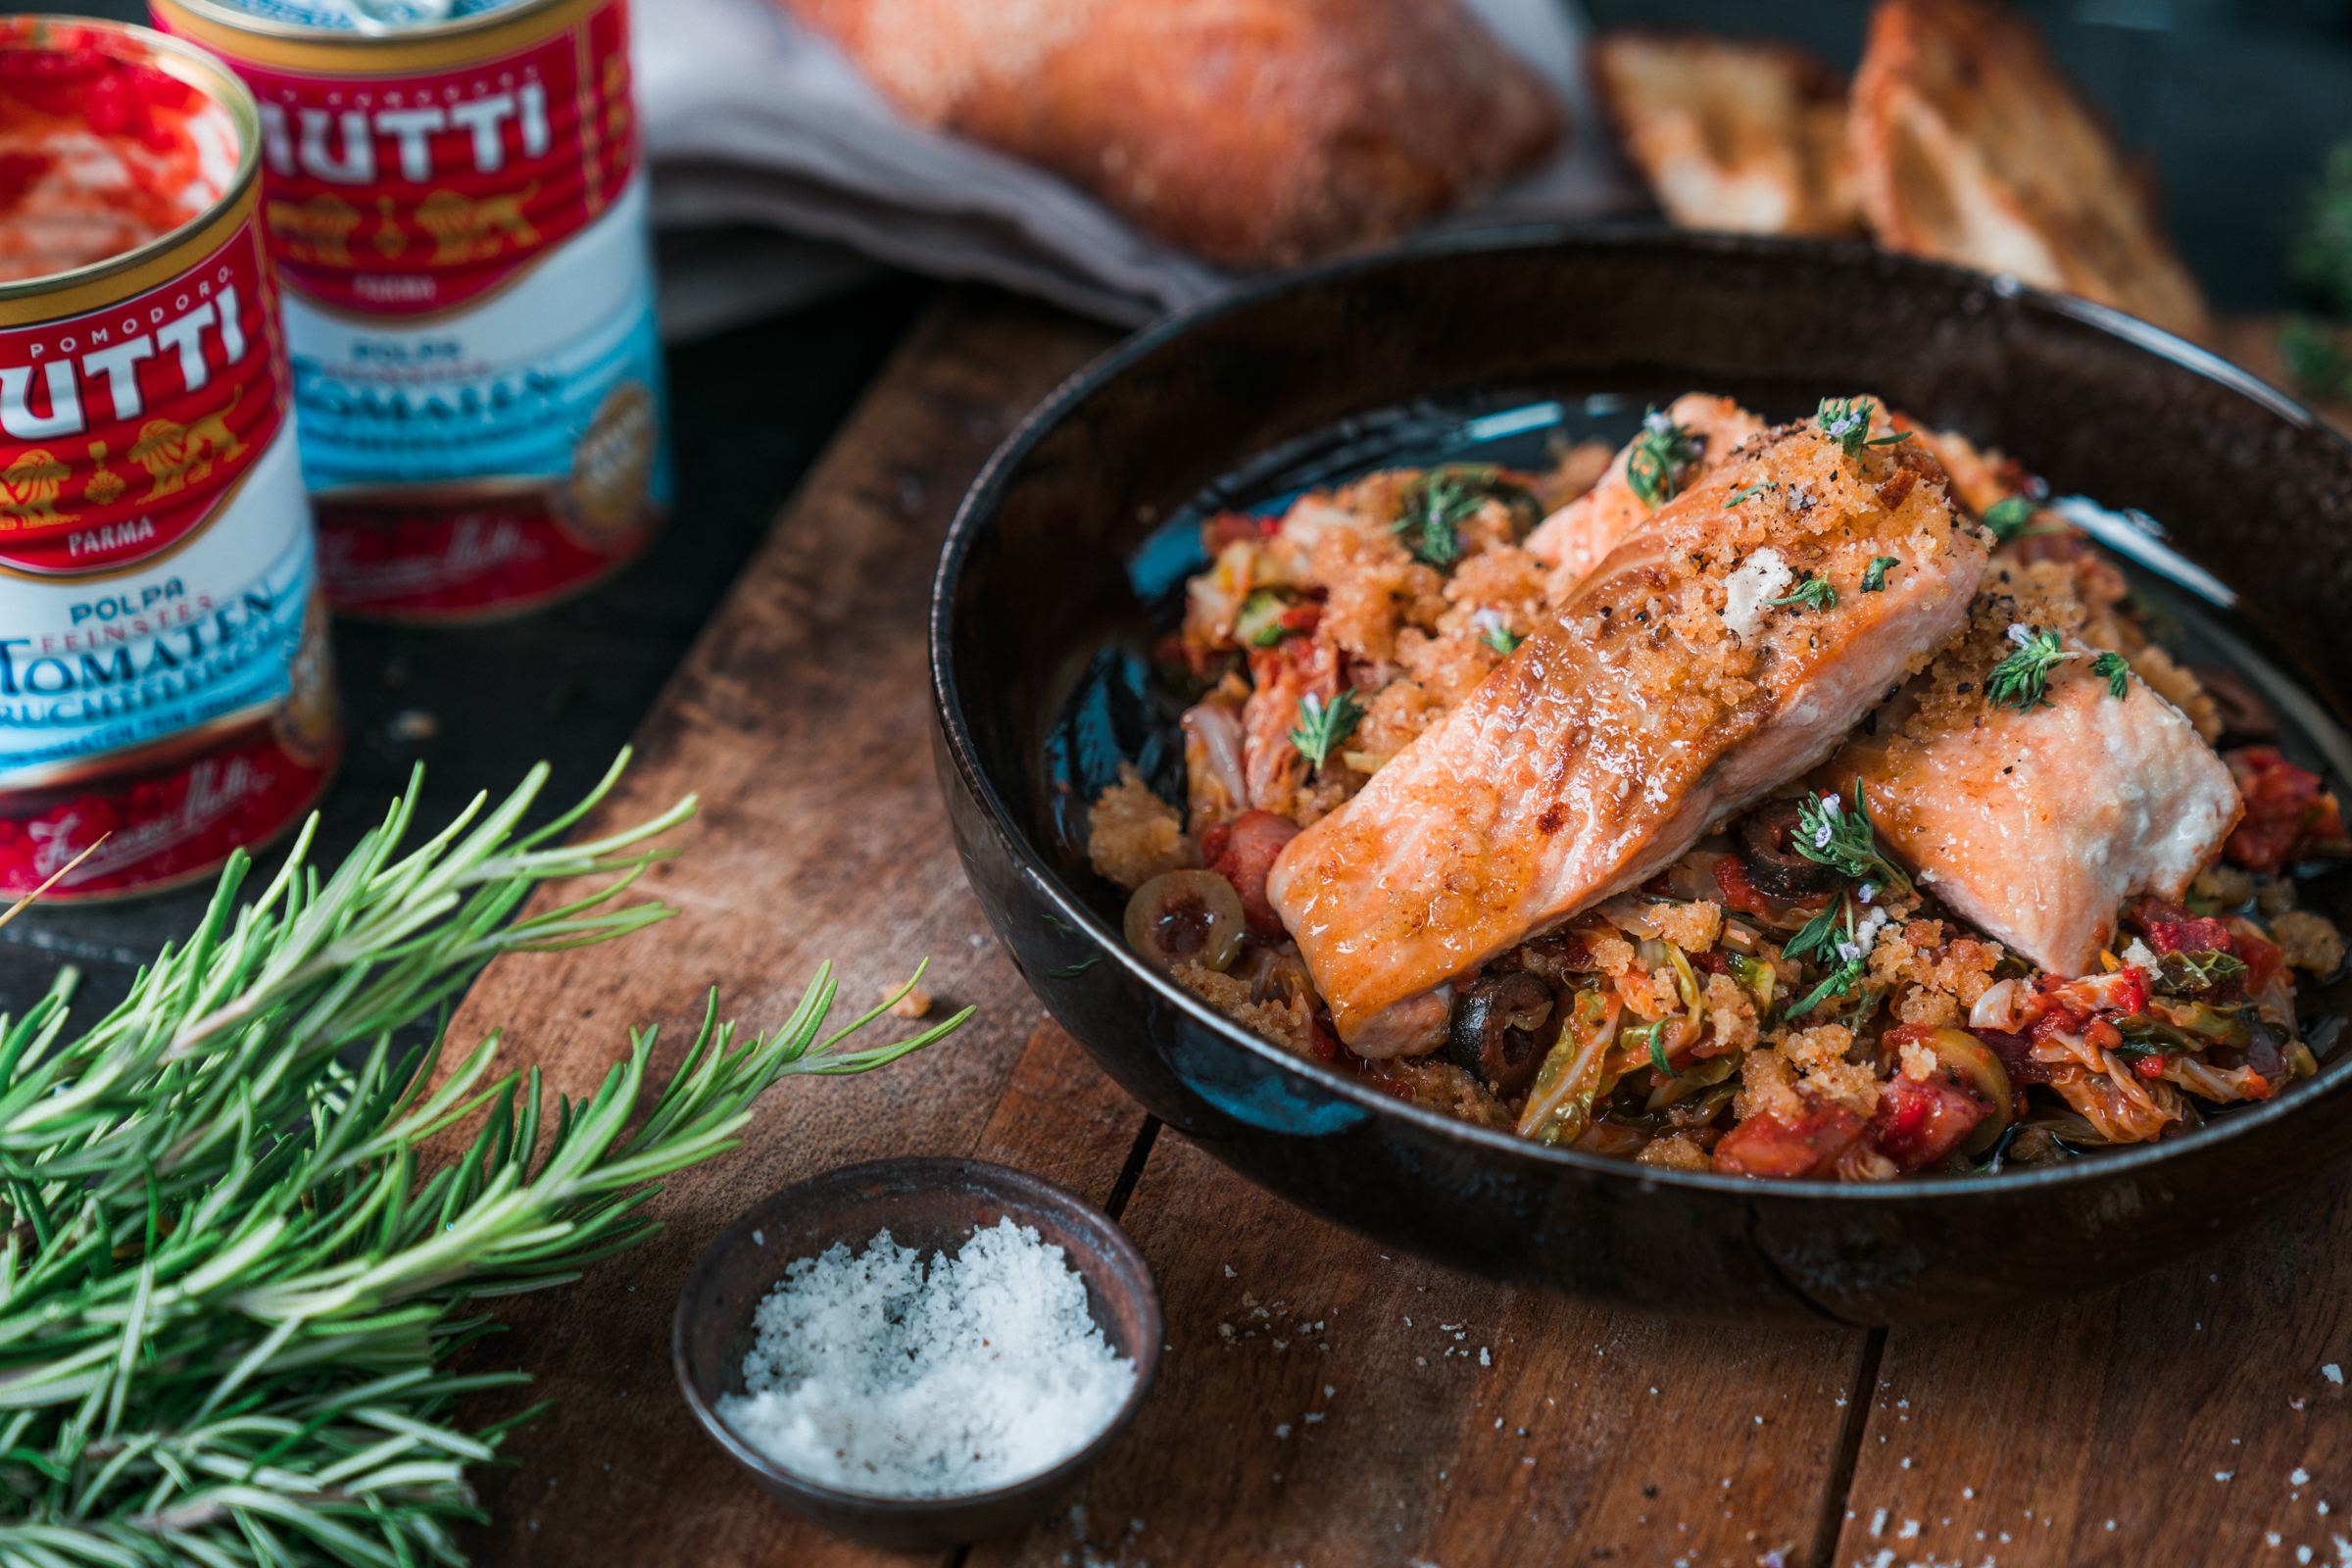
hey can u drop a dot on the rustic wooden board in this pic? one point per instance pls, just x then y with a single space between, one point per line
802 719
2162 1421
1324 1402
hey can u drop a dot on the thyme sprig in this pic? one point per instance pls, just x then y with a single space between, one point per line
2022 679
1433 506
1846 421
228 1295
1848 842
2009 517
1658 463
1814 593
1829 935
1874 579
1323 725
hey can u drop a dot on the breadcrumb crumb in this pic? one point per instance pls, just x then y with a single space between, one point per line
1692 927
2310 942
1133 835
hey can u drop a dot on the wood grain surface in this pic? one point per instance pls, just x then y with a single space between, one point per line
1320 1401
800 720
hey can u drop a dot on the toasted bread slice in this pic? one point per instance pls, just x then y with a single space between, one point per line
1730 133
1970 147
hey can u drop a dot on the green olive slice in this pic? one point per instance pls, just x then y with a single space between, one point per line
1973 1062
1185 917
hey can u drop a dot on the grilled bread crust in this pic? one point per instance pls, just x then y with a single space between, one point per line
1970 147
1731 133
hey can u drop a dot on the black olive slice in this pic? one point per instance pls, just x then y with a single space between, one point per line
1773 865
1504 1026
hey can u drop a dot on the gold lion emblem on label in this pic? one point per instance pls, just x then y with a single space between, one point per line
468 230
29 490
317 231
608 494
176 456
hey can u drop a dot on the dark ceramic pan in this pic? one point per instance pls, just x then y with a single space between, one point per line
1066 559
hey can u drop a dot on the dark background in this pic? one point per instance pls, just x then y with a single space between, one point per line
2237 103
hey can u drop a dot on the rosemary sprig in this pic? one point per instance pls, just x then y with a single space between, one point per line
1814 593
2022 679
1323 725
1847 842
1751 493
1659 461
227 1295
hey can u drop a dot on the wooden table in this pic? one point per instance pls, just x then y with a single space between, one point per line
1320 1401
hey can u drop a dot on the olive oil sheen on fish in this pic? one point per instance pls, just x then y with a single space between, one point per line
454 200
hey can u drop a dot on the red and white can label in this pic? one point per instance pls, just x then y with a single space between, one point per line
122 430
405 195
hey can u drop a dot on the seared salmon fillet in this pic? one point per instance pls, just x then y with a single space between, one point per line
1579 536
2036 825
1690 675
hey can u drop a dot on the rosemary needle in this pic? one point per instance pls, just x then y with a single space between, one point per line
229 1290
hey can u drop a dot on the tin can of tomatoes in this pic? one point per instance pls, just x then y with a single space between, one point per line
457 216
166 691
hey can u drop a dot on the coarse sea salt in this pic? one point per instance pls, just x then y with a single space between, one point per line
886 1374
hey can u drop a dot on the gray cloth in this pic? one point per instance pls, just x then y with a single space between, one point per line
751 119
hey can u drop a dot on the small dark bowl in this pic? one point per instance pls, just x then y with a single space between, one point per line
929 1205
1058 578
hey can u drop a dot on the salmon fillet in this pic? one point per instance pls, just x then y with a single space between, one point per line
1579 536
2037 826
1667 691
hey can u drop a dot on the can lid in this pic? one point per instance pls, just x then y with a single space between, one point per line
365 18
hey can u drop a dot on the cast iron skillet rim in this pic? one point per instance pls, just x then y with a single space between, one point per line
1033 1191
978 509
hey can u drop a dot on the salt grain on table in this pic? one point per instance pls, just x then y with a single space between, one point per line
879 1374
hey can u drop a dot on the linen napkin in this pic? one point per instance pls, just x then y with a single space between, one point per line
752 120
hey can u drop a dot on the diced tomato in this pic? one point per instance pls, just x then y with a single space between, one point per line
1738 892
1304 617
2149 1066
2170 928
1764 1146
1229 527
2287 812
2056 1021
2123 990
2017 1054
2261 955
1919 1123
1243 859
1711 961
